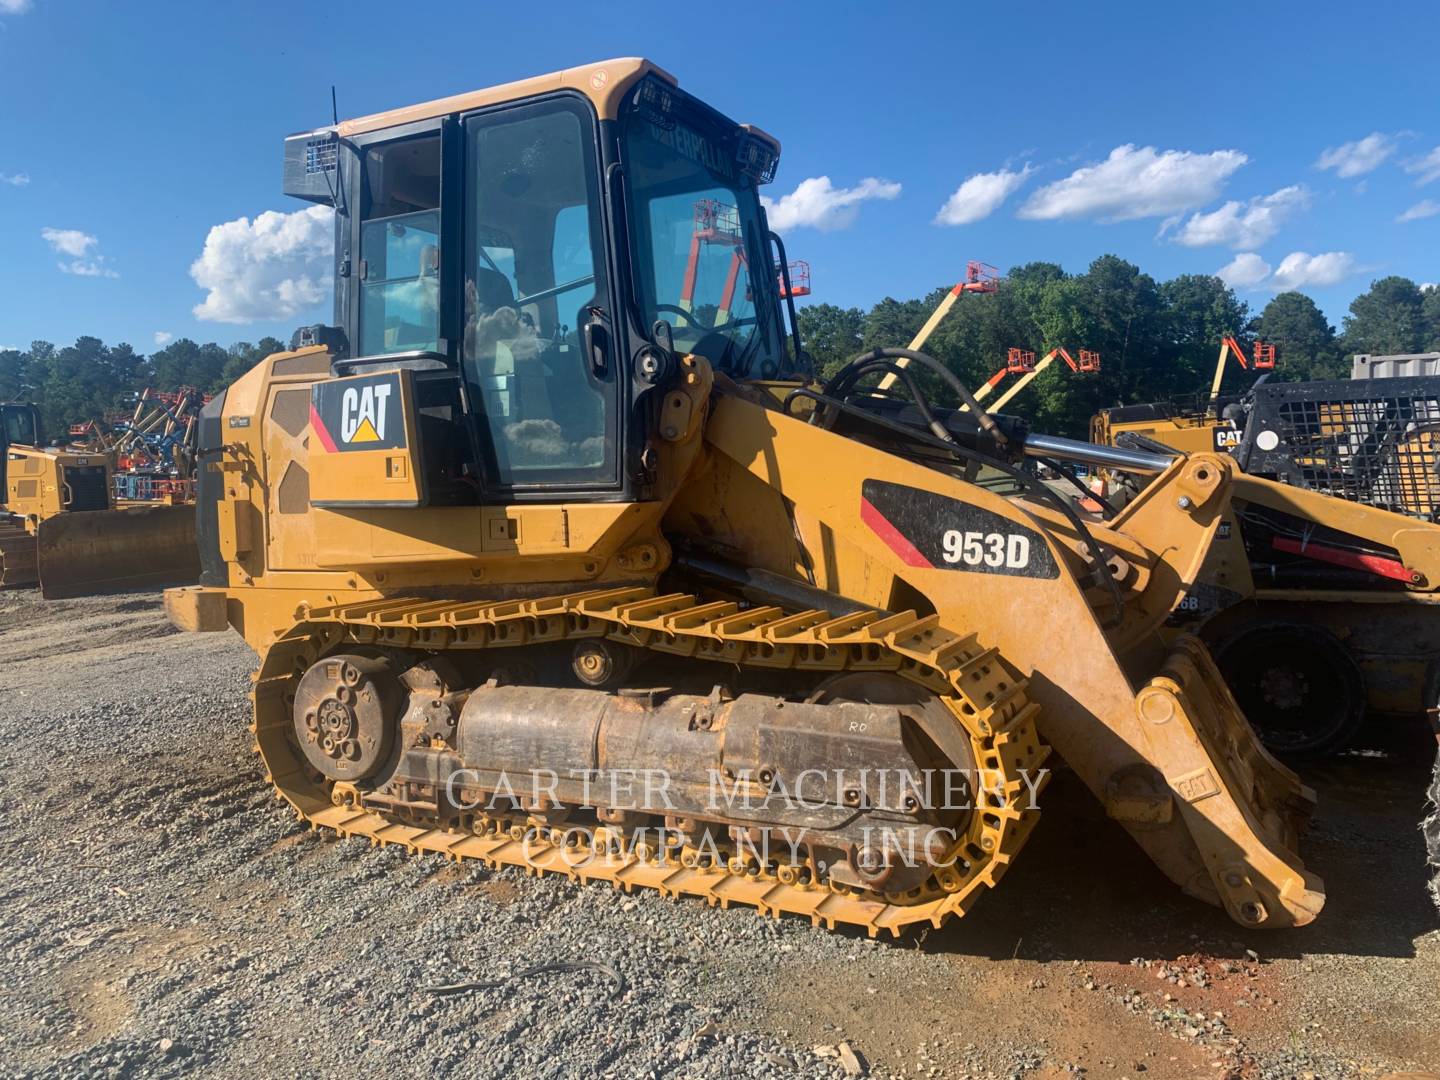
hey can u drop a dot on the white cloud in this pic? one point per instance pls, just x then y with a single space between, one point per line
1300 269
18 179
14 7
84 261
1245 271
980 196
68 241
1243 224
1423 209
1359 157
1135 183
163 337
1427 168
817 203
271 268
88 268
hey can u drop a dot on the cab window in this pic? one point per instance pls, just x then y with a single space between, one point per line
400 247
702 255
18 422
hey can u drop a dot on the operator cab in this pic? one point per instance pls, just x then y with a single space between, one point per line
19 427
528 252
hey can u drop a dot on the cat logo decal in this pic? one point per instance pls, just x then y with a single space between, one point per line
358 413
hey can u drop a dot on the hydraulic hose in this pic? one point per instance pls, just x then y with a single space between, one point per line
857 370
946 375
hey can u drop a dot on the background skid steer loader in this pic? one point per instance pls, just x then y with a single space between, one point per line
1321 595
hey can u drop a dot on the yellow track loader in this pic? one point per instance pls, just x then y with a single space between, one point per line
554 559
59 524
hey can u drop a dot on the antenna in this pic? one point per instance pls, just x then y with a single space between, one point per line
334 108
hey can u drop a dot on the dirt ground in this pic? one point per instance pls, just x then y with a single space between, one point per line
163 913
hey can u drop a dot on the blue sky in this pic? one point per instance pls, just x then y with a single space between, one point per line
1044 131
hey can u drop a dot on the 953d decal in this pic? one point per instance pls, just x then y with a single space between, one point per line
941 533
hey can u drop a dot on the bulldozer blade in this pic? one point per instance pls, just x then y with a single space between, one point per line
17 556
100 551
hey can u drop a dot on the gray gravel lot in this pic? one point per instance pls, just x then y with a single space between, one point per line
163 913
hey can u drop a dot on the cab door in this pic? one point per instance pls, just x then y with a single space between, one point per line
541 368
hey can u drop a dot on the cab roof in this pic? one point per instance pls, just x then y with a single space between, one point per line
604 82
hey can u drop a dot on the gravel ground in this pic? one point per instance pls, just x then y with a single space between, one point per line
164 913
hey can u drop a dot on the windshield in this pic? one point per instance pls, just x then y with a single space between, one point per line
18 422
702 259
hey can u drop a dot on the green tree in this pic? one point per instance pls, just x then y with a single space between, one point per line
186 363
14 376
1430 316
79 381
831 335
894 323
1304 341
1200 309
1386 319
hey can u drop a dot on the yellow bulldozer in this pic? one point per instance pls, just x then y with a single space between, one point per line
60 525
555 556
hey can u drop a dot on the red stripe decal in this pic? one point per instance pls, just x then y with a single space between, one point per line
320 432
892 536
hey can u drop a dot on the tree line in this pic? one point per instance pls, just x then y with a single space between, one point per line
1157 341
84 381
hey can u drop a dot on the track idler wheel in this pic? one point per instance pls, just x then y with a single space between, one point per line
603 664
346 708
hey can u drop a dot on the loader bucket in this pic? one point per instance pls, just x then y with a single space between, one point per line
99 551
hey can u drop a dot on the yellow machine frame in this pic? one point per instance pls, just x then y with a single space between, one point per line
1015 624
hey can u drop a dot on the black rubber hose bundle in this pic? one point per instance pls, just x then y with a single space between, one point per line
882 359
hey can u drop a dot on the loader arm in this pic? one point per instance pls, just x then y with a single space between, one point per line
1167 751
1416 543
